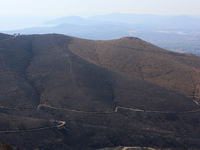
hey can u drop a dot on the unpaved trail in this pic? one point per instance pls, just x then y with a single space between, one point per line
146 148
29 130
61 123
117 109
196 102
131 109
10 38
107 112
153 111
71 110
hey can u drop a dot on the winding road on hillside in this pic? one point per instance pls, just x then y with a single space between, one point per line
116 110
60 124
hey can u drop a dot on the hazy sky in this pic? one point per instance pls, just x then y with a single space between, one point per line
11 11
73 7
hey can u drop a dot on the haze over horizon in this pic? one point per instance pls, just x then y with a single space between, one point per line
22 13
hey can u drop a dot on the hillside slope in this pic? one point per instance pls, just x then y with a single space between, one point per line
43 70
60 92
136 58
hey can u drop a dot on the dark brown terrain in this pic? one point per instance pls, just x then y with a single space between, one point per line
61 92
138 59
6 146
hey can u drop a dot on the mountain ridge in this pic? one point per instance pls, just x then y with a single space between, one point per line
151 49
119 59
63 92
176 33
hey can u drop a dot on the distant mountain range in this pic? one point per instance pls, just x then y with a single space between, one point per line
159 22
176 33
156 21
61 92
134 21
